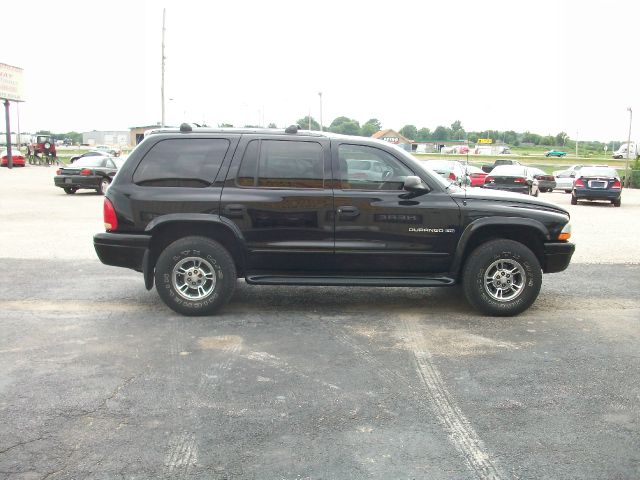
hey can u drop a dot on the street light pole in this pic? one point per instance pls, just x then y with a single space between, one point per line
6 113
626 167
320 95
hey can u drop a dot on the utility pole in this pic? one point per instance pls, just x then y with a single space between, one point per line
164 11
6 116
320 95
626 166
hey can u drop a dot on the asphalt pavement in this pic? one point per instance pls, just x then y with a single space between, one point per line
98 379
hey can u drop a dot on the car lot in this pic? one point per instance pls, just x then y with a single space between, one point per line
100 380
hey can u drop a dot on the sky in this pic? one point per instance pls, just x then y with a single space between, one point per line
528 65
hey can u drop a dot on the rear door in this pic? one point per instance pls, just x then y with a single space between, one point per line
278 192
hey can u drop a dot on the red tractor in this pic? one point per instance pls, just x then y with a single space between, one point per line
42 151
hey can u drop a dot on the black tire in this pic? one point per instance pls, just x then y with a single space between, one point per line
574 200
70 190
103 186
617 203
213 270
505 261
567 191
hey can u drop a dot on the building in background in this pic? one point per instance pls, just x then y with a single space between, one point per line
136 134
116 137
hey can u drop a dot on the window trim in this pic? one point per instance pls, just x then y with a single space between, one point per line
255 185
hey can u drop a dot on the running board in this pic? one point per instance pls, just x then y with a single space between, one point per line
350 281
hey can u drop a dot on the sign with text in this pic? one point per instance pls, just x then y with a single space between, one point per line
485 140
11 83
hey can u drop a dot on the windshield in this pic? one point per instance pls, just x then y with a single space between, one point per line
598 172
89 162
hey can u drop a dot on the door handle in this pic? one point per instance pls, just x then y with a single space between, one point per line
234 211
348 212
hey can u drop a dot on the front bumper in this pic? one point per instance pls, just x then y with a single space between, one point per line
557 256
122 249
76 181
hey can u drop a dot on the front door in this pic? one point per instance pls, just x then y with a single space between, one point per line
378 227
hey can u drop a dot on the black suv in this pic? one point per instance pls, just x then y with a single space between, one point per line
194 209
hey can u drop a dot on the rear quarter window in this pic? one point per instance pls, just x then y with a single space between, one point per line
188 162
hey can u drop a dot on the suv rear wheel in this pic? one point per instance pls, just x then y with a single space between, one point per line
195 276
502 278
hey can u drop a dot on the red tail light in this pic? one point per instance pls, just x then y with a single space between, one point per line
86 171
110 218
452 176
616 184
519 180
59 172
489 180
579 183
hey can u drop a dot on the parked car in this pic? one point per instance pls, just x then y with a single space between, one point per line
597 183
91 153
113 151
546 181
499 162
16 157
564 180
93 172
555 153
475 175
449 169
572 168
195 209
513 178
360 169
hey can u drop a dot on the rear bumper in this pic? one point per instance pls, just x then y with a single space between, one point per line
76 181
121 249
507 188
596 194
557 256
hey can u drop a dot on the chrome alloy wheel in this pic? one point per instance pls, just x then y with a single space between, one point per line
504 280
193 278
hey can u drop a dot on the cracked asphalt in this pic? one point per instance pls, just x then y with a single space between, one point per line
99 380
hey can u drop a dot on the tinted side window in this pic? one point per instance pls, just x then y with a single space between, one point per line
282 164
369 168
185 162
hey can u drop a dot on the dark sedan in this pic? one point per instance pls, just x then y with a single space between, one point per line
90 172
546 181
597 183
512 178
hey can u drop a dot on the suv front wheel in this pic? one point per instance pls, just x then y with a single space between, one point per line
502 278
195 276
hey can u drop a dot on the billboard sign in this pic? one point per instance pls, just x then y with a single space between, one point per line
485 140
11 83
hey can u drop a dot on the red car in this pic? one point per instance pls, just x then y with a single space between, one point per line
17 157
476 175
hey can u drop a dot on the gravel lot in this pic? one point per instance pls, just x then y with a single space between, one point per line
98 379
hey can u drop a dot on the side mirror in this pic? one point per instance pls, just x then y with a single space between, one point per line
573 175
415 185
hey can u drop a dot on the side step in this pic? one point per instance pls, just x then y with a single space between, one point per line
350 281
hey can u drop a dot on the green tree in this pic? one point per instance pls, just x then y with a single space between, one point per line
424 135
409 131
345 125
457 132
272 125
441 133
370 127
304 123
561 138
